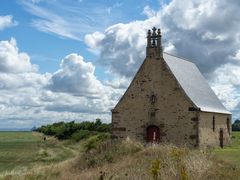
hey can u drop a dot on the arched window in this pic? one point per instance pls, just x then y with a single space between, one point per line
213 123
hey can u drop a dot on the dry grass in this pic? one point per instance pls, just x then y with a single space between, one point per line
125 160
131 161
137 166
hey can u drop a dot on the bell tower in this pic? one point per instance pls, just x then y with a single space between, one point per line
154 44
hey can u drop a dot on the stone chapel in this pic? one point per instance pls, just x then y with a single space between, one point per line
169 101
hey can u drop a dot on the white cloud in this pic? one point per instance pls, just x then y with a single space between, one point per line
121 47
201 30
119 82
92 41
77 77
75 93
11 61
195 30
12 81
70 19
7 21
226 84
149 12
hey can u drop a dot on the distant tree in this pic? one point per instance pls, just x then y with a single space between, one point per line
98 122
236 125
34 128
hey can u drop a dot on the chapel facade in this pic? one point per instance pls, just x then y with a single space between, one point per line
169 101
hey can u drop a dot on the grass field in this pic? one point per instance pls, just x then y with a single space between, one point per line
24 155
21 150
230 154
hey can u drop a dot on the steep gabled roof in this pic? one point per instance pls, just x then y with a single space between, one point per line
194 85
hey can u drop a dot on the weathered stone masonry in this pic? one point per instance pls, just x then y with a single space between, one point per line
156 107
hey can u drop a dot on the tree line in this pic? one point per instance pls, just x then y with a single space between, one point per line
80 130
74 130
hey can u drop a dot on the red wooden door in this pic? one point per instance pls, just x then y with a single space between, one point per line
153 134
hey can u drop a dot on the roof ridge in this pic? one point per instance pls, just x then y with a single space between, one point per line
182 58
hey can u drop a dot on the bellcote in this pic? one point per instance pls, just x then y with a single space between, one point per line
154 45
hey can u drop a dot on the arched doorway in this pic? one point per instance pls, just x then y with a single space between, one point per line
153 134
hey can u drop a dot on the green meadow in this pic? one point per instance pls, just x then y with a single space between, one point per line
230 154
21 150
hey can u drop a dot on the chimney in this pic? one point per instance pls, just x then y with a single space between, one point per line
154 45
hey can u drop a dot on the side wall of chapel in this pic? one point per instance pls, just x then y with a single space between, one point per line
209 128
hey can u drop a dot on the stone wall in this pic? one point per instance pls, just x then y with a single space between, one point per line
135 112
209 131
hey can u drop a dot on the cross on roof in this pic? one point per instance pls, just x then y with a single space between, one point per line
154 31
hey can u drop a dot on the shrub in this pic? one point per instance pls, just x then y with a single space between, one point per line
183 173
91 161
155 169
81 134
108 157
94 142
178 154
100 149
129 146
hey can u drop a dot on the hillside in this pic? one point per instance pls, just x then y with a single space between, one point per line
97 157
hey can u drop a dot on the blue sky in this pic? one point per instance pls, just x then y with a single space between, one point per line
47 49
72 60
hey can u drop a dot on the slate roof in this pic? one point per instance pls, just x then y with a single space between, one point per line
194 84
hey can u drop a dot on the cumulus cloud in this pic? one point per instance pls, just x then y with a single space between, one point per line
77 77
202 31
119 82
30 98
11 61
192 29
121 47
92 41
10 81
226 84
76 104
7 21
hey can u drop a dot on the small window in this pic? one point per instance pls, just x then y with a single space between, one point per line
153 98
213 123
